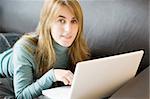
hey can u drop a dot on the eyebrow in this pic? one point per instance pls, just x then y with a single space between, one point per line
65 17
61 16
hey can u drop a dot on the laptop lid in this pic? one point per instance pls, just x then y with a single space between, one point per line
101 77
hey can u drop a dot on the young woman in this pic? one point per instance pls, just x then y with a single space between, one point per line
50 54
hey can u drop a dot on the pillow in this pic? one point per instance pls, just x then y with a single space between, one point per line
7 40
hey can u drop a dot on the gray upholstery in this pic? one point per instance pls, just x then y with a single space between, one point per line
117 26
137 88
7 40
19 15
110 26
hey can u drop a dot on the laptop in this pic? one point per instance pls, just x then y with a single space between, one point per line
98 78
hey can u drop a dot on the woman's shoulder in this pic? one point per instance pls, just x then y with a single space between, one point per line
26 42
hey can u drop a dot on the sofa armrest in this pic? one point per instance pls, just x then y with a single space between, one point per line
136 88
7 40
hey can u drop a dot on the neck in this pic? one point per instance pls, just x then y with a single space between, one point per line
59 48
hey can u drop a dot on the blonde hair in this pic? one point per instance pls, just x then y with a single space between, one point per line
44 53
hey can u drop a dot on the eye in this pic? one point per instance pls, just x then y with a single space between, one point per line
74 21
61 21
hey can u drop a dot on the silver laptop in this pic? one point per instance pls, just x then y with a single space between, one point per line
98 78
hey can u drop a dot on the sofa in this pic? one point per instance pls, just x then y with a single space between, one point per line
110 26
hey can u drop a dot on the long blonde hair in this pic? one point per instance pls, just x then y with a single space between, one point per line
44 54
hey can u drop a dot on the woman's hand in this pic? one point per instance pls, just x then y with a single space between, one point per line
66 76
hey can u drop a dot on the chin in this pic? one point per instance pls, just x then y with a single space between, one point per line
66 44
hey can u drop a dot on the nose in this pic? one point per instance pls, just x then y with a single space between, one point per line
68 28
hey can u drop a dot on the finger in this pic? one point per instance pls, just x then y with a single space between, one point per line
69 78
65 80
69 74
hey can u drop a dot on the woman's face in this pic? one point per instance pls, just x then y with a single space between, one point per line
65 27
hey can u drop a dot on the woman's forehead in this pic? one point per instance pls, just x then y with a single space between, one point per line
65 12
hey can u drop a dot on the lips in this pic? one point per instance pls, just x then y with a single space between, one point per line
66 37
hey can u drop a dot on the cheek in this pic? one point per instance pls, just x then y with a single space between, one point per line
55 31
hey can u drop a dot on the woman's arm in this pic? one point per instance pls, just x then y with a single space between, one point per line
24 85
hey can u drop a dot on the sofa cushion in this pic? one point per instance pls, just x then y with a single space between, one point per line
136 88
7 40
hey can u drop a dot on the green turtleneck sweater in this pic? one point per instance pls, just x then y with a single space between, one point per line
19 64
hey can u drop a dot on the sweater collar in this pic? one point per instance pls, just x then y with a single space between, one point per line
58 48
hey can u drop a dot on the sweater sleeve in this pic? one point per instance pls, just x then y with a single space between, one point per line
24 85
